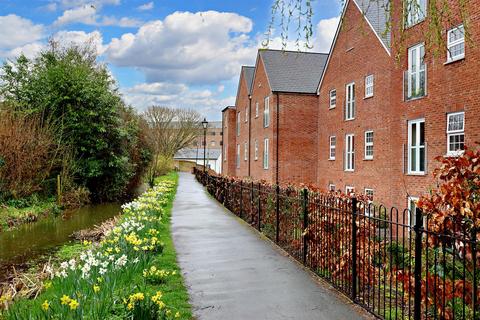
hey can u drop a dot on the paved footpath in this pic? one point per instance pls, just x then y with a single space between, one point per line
233 274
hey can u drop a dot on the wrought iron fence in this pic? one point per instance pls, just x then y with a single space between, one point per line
383 259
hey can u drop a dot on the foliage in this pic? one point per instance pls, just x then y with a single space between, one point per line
70 86
168 131
28 152
106 280
453 211
441 15
25 210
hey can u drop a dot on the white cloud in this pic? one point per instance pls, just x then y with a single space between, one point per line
207 102
203 47
85 14
146 6
16 31
29 50
80 37
89 14
325 33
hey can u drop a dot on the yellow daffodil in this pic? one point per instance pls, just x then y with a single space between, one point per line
73 304
96 288
65 299
45 305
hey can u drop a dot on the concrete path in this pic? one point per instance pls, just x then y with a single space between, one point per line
232 273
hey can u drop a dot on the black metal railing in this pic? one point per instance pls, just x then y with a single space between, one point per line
385 261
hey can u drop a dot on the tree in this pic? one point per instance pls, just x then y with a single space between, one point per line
440 14
169 130
67 84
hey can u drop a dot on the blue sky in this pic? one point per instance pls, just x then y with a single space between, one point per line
184 54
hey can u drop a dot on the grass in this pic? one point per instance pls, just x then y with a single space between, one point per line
19 212
122 291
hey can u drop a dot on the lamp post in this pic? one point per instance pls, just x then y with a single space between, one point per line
205 125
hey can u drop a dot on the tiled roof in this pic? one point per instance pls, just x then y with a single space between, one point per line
194 153
248 74
293 71
377 13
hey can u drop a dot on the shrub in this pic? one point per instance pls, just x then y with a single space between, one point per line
27 151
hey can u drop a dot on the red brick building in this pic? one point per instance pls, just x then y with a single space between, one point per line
405 113
383 109
229 141
271 102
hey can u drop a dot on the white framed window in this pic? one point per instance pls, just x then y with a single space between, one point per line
238 123
331 187
212 143
256 109
368 145
265 153
369 193
369 86
416 146
349 190
246 114
416 73
333 145
349 152
245 151
456 43
266 113
350 101
455 133
238 156
333 98
415 11
256 149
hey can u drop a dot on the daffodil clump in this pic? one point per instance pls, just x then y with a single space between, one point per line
93 285
155 275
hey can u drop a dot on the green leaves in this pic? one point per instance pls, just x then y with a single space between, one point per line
69 85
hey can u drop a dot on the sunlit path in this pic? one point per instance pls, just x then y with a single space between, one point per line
232 273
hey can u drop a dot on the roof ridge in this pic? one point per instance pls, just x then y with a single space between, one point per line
292 51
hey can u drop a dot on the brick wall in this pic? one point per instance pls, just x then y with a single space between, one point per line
229 135
242 105
450 87
351 61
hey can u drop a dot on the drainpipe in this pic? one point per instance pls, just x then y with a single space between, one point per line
249 131
277 140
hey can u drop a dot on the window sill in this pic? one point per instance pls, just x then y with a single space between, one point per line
417 174
454 154
331 159
349 170
409 26
365 98
350 119
331 108
367 159
414 99
454 60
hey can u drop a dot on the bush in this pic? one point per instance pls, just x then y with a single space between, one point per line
27 151
70 86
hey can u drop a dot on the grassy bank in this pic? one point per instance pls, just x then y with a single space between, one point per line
132 274
25 211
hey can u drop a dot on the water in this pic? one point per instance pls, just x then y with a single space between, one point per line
32 240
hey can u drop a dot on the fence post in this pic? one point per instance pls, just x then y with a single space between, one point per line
354 249
259 207
277 213
241 198
418 228
475 274
305 224
227 185
251 203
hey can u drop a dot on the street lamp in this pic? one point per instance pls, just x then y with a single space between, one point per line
205 126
